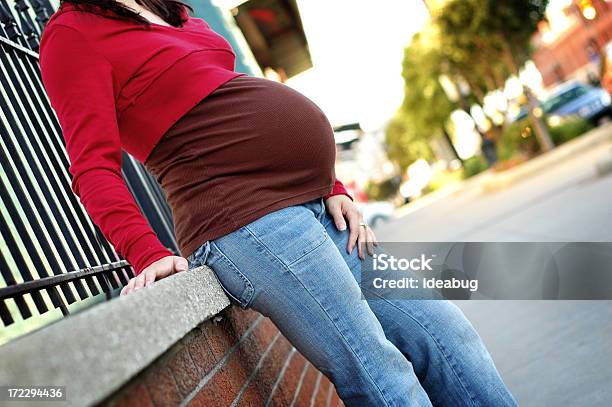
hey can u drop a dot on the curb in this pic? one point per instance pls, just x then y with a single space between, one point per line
448 190
489 181
544 162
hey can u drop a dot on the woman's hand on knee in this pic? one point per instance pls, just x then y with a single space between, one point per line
162 268
343 210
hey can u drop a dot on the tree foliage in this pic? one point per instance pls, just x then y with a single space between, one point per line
404 144
416 122
478 42
488 39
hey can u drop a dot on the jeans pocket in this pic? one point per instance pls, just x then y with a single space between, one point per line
235 284
290 233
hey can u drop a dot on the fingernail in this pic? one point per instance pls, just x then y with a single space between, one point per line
342 226
181 267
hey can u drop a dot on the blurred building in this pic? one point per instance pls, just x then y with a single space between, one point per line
222 22
273 32
361 157
568 45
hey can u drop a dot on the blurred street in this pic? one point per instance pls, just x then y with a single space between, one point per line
550 353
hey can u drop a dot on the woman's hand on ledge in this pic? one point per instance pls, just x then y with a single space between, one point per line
342 209
162 268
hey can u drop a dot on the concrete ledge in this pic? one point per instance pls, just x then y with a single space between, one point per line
95 352
500 180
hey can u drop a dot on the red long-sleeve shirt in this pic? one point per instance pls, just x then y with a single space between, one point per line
114 85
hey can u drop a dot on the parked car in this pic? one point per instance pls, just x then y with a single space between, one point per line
572 99
577 99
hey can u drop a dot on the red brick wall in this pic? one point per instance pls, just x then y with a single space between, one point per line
241 360
560 60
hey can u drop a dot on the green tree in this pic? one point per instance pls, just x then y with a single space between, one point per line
425 109
478 42
404 144
486 41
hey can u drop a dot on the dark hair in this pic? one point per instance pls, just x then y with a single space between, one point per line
168 10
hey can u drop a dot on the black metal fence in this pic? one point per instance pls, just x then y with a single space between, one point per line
52 256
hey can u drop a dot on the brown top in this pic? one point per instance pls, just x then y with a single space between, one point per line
251 147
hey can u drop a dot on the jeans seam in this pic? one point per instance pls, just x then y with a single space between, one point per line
435 340
321 215
244 303
342 335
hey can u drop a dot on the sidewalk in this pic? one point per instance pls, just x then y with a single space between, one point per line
489 181
500 180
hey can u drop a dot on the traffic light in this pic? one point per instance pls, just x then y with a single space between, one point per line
587 9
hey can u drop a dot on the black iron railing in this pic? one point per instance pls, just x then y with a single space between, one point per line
52 256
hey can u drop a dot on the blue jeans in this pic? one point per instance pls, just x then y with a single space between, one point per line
292 266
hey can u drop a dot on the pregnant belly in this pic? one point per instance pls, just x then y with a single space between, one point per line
259 127
250 143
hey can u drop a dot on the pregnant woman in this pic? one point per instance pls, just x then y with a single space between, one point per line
247 165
